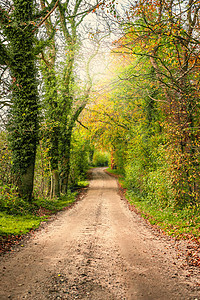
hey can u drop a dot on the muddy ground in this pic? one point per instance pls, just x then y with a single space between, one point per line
99 250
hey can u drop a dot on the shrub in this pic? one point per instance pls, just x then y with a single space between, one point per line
158 188
79 162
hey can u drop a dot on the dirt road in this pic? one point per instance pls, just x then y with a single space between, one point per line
96 250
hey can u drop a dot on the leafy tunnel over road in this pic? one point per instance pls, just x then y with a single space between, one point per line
99 249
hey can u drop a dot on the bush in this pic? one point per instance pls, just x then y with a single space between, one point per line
158 187
79 162
134 177
10 201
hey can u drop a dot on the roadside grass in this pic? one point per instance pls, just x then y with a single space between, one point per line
20 220
18 217
178 222
51 206
80 185
181 223
18 225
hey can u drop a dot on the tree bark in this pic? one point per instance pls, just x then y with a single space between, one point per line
24 111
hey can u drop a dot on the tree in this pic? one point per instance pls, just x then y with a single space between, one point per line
63 104
166 32
17 25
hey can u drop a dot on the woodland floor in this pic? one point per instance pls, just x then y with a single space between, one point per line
99 250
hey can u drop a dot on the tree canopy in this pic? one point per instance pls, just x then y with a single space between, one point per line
144 112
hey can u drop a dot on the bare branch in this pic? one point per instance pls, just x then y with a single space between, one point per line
49 13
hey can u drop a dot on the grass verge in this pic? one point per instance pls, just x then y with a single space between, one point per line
18 217
23 217
174 221
181 223
17 225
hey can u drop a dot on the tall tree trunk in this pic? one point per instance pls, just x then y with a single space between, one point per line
66 144
24 112
56 183
54 154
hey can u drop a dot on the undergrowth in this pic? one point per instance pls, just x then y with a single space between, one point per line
18 217
181 222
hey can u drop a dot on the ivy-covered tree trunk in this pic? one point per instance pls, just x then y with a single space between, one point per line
52 119
66 149
24 112
47 67
61 107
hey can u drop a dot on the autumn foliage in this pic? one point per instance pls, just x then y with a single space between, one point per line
150 120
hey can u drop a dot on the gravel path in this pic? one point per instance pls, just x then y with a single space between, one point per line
97 250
